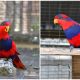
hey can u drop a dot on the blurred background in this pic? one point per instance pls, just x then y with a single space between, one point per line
24 18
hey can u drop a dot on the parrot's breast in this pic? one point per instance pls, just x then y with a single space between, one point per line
5 44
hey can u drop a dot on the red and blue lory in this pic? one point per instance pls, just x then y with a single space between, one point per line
70 27
8 46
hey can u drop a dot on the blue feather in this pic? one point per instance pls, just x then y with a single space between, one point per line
5 44
72 31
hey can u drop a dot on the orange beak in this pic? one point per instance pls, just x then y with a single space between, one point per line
7 29
55 21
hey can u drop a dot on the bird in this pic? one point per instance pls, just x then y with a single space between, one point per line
71 29
8 49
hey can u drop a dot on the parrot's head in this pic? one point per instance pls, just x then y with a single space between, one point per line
4 29
62 19
6 26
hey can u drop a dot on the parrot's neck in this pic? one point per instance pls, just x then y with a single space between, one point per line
4 36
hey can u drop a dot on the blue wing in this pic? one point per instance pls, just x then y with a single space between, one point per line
72 31
5 44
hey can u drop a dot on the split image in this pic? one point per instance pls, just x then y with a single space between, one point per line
39 40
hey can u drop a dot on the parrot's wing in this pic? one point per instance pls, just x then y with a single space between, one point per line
7 48
72 31
73 35
5 44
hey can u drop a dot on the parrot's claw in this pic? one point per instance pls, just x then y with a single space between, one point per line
6 59
71 48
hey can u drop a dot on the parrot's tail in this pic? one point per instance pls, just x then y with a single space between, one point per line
17 63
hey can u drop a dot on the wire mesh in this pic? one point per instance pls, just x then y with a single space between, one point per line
52 68
56 67
51 8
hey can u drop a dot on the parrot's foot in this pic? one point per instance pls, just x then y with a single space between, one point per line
6 59
71 48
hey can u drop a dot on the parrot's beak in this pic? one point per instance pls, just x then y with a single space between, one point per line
7 29
55 21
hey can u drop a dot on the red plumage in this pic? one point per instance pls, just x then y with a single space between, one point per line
10 52
70 27
3 33
8 46
64 21
17 63
67 24
75 41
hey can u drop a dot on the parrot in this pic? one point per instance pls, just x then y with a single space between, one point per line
8 48
71 29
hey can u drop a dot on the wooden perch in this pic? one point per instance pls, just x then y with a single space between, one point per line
59 51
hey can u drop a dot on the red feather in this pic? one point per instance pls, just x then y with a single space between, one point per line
17 63
67 24
75 40
12 52
71 29
6 54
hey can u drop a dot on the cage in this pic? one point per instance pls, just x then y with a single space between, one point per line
56 67
52 66
49 9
